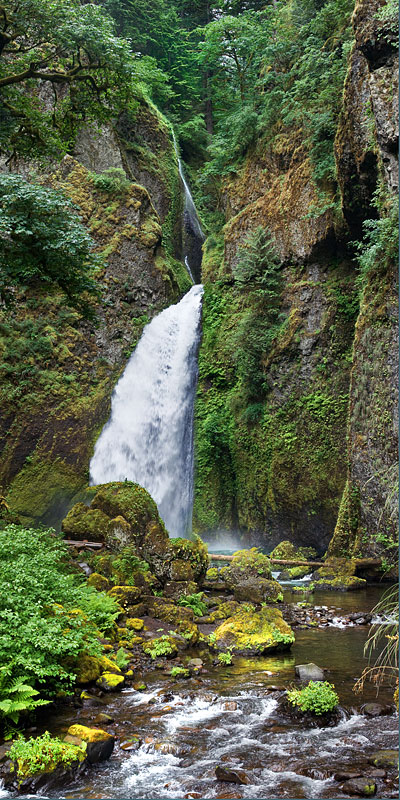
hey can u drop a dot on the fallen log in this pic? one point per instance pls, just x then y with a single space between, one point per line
84 544
280 561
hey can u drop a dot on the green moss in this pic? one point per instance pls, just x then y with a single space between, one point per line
89 735
87 668
344 583
254 632
110 681
99 582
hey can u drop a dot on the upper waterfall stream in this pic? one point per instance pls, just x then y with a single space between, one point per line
149 437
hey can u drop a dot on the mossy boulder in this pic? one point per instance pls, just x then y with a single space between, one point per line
110 682
343 583
223 611
254 632
134 624
99 743
83 522
173 590
294 573
109 666
286 550
249 577
186 560
338 575
122 514
125 595
88 668
99 582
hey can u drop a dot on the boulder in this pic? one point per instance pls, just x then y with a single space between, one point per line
249 577
363 787
254 632
110 682
232 775
385 759
99 743
99 582
374 710
125 595
343 583
122 514
309 672
88 668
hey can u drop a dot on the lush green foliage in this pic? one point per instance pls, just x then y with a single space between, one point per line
16 696
42 754
44 243
195 602
122 659
47 614
112 180
225 658
160 647
318 697
380 246
47 44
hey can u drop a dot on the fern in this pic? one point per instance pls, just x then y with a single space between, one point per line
16 696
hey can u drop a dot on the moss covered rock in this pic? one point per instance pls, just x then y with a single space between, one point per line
99 744
88 669
163 646
99 582
343 583
187 560
83 522
251 632
125 595
110 681
249 577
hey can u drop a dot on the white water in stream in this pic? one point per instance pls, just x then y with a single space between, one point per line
149 437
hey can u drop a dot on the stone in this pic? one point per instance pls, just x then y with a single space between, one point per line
231 775
309 672
373 710
363 787
88 668
99 743
131 744
251 632
99 582
385 758
90 699
103 719
346 776
125 595
110 682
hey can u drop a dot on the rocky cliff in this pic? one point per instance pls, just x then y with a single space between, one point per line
58 370
321 435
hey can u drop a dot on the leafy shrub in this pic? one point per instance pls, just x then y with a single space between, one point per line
159 647
225 658
317 697
42 754
179 672
112 181
195 602
122 659
48 615
127 562
43 241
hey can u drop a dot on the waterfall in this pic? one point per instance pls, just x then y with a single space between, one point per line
149 437
193 236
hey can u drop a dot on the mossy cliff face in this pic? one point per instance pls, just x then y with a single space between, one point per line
58 370
276 465
367 522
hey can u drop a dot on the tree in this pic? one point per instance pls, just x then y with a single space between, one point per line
60 64
43 242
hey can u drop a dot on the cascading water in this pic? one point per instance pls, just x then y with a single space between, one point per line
149 437
193 236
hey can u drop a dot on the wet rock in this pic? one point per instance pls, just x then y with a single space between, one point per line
103 719
385 758
110 682
346 776
377 773
373 710
363 787
90 700
230 705
309 672
360 617
131 744
195 663
232 775
99 743
251 632
169 747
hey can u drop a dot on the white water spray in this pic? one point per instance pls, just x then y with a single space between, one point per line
149 437
193 235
